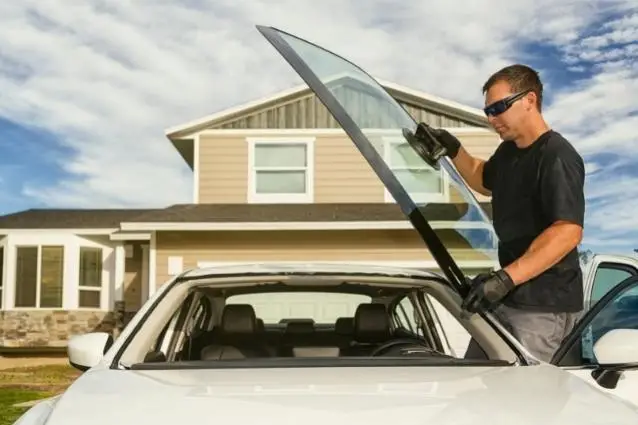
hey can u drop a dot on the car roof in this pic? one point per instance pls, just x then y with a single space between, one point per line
307 268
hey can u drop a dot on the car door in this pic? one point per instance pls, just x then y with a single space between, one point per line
372 118
617 309
605 272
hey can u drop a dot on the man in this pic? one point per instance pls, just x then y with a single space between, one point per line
535 178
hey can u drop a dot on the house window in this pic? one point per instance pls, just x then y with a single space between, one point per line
39 276
90 284
1 274
281 171
422 182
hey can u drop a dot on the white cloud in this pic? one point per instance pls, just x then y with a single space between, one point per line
591 168
600 116
108 78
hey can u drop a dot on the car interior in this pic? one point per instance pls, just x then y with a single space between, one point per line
241 334
355 319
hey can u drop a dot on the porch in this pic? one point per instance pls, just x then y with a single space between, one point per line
56 284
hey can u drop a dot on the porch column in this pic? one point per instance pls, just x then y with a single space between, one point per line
145 269
120 263
152 265
8 275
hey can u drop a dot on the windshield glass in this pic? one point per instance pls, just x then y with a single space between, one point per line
299 320
282 308
376 122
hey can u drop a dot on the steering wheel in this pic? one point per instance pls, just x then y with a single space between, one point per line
395 342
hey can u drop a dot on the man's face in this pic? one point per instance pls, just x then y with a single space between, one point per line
508 123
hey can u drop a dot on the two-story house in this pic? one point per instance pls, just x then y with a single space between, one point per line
276 179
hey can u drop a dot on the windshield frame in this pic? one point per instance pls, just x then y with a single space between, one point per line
175 292
410 209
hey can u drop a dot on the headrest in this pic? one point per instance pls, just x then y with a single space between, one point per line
298 328
344 326
239 319
371 323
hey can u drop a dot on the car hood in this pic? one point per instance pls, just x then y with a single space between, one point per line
338 396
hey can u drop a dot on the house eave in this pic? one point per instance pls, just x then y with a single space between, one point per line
76 231
295 225
130 236
464 112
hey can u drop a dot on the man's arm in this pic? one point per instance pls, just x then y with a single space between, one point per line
547 249
471 169
563 203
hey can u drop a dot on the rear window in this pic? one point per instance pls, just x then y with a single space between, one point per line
320 307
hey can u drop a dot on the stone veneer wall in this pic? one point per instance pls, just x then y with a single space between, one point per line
50 328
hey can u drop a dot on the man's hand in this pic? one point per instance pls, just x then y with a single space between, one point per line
447 140
487 290
470 168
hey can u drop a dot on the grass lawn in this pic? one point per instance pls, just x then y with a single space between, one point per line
31 383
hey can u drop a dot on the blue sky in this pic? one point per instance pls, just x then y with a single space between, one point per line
87 90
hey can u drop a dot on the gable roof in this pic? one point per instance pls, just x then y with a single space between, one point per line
69 218
400 93
222 215
250 213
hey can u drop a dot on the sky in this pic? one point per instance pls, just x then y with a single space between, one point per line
87 89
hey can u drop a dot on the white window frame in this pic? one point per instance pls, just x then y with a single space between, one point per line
38 284
307 197
81 287
70 292
3 259
443 196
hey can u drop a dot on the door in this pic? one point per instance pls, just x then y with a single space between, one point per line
617 309
371 116
604 273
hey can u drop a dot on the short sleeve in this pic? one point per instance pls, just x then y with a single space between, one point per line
489 173
562 179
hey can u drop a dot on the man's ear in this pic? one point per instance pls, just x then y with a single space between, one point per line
531 101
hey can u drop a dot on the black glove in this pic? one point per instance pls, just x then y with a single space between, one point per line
447 140
487 290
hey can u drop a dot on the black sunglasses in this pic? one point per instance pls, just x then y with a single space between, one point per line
498 107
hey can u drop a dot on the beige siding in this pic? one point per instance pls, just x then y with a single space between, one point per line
223 169
340 245
341 172
481 146
342 175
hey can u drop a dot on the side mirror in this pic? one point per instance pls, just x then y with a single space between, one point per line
86 351
615 351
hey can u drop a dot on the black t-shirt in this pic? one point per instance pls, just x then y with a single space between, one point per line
532 188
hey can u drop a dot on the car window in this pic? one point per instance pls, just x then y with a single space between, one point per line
450 328
405 317
201 316
619 313
607 276
319 307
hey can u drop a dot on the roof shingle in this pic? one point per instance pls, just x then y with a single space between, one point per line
224 213
69 218
203 213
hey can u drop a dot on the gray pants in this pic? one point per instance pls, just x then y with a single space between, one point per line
540 333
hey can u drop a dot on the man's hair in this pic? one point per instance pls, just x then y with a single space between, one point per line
520 78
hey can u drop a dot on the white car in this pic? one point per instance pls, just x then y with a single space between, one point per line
359 344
